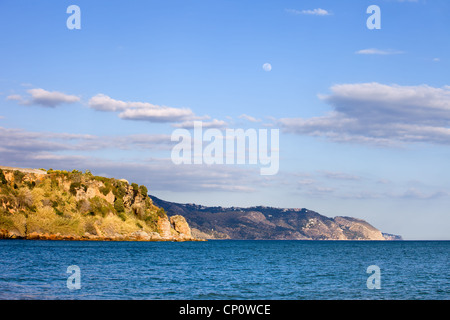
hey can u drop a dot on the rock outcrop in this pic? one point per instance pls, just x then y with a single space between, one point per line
357 229
181 226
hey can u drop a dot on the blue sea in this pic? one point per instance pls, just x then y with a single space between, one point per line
225 269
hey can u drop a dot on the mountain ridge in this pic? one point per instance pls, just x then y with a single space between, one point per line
270 223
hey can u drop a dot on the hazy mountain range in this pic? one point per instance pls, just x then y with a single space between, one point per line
270 223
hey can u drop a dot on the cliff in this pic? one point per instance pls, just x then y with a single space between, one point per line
269 223
392 237
61 205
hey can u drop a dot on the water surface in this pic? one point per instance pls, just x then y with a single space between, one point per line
224 269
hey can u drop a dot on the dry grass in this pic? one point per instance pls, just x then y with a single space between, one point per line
50 206
44 220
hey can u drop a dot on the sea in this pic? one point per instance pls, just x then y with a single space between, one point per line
225 270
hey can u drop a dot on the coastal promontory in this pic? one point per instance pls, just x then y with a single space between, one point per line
62 205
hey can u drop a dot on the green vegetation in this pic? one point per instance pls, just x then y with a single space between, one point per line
161 212
73 187
18 176
74 203
2 177
143 190
118 205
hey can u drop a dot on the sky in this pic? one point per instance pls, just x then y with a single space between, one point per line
363 114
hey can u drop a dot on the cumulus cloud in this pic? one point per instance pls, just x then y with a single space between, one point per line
161 114
44 98
380 114
143 111
102 102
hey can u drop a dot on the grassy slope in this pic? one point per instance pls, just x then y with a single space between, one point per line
74 203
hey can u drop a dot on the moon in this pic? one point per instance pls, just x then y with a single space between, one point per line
267 67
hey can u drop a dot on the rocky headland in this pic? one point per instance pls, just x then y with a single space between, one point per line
62 205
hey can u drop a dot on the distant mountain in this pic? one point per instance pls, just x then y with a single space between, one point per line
260 223
389 236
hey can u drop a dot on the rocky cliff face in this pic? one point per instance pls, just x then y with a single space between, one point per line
392 237
270 223
38 204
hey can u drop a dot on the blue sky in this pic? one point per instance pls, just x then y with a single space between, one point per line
363 114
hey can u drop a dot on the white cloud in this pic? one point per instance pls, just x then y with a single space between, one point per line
249 118
102 102
375 113
391 103
21 148
161 114
374 51
316 12
205 124
143 111
44 98
20 141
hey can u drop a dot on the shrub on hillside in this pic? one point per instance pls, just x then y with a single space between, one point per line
118 205
143 190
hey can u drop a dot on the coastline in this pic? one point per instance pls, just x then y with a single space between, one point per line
136 236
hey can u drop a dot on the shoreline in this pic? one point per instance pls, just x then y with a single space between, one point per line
6 235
